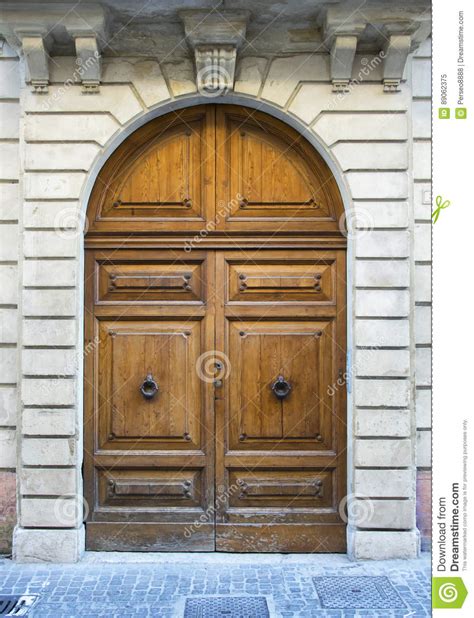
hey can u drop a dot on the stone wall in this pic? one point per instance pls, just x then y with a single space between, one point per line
9 215
421 129
370 138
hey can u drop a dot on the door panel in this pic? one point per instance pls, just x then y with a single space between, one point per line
280 461
148 460
164 180
150 488
219 168
271 185
161 179
166 350
259 352
281 489
269 178
290 280
143 283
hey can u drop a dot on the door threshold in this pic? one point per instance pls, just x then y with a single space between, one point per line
212 558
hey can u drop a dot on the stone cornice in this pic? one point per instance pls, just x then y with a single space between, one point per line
73 18
398 31
215 37
28 28
216 28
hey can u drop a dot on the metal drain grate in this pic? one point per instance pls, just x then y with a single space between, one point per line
357 593
226 607
16 605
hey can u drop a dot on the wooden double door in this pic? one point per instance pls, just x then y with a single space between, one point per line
215 406
215 340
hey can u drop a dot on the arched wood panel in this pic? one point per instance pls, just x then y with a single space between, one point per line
161 179
221 168
269 178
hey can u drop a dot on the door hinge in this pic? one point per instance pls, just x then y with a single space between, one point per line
349 371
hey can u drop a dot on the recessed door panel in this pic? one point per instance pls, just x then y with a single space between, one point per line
282 281
280 489
271 179
295 413
164 181
149 282
165 353
150 488
161 179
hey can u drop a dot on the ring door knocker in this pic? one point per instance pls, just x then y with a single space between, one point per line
281 388
149 388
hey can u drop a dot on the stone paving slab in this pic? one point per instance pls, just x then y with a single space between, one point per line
122 585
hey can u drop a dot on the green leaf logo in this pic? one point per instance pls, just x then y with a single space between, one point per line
448 592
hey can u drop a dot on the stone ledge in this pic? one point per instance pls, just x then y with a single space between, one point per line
382 545
42 546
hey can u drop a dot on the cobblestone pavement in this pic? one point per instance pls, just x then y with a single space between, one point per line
158 584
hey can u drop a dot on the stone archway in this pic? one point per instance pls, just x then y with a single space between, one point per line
371 472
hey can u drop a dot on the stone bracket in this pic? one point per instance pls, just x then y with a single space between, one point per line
342 59
36 59
396 53
341 36
214 39
88 61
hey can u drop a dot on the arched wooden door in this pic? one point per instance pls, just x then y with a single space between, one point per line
215 340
